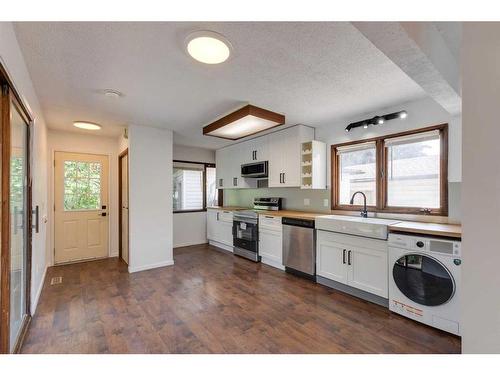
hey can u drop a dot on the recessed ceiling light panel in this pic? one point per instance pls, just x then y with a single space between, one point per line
243 122
86 125
208 47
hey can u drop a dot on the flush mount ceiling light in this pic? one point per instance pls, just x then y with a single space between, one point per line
377 120
86 125
243 122
114 94
208 47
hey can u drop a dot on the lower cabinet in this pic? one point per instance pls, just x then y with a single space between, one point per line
355 261
271 241
220 226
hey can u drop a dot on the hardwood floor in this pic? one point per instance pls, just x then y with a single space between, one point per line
213 302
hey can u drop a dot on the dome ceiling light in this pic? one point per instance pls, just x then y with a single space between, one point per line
208 47
86 125
243 122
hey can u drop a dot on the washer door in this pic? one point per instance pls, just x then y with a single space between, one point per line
423 279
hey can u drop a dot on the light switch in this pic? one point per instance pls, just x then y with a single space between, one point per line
325 203
307 201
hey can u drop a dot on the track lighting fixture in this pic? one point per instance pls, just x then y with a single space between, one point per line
377 120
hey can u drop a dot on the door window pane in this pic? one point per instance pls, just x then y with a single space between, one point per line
357 170
82 185
187 187
413 174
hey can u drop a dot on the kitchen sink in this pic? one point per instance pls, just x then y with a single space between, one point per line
358 226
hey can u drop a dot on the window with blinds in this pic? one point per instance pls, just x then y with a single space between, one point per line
188 186
401 173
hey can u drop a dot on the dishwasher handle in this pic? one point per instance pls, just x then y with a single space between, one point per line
296 222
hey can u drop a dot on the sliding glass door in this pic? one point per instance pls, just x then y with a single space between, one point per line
15 212
19 211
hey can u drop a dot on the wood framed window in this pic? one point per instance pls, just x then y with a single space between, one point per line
399 173
194 186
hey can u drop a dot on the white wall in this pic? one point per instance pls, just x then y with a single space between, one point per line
421 113
187 153
481 189
150 198
13 61
89 144
190 228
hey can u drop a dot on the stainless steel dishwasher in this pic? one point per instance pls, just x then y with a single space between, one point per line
299 246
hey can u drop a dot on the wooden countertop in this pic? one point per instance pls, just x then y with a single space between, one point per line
294 214
435 229
445 230
227 208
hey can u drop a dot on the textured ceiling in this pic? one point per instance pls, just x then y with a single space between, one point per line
314 73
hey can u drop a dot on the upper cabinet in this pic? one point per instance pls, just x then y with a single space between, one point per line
313 164
282 149
285 155
257 149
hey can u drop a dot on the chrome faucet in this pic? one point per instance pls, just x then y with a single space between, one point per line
364 212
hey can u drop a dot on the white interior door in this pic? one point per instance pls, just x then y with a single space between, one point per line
81 206
124 208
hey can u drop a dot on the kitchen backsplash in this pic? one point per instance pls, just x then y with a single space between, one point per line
296 199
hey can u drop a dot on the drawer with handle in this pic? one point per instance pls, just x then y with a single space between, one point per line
270 222
226 216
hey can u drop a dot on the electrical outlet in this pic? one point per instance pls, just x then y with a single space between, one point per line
307 201
325 203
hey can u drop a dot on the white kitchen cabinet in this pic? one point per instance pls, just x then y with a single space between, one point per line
223 168
228 163
355 261
220 227
330 258
313 165
257 150
368 270
282 149
271 241
285 155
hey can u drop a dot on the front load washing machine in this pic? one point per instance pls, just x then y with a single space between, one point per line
424 280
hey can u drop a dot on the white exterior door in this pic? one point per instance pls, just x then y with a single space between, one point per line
124 208
81 206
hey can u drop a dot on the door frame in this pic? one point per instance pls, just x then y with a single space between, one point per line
5 132
120 198
52 201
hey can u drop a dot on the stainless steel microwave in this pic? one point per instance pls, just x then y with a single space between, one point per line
255 170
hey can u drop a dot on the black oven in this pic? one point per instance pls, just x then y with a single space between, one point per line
246 235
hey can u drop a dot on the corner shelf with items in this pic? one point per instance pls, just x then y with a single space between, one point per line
313 165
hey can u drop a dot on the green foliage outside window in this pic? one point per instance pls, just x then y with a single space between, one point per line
82 185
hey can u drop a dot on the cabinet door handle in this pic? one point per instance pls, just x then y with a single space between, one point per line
343 256
235 181
349 258
255 155
217 216
283 177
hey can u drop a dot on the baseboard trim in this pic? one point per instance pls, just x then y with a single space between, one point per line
353 291
220 245
189 244
272 263
34 305
150 266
